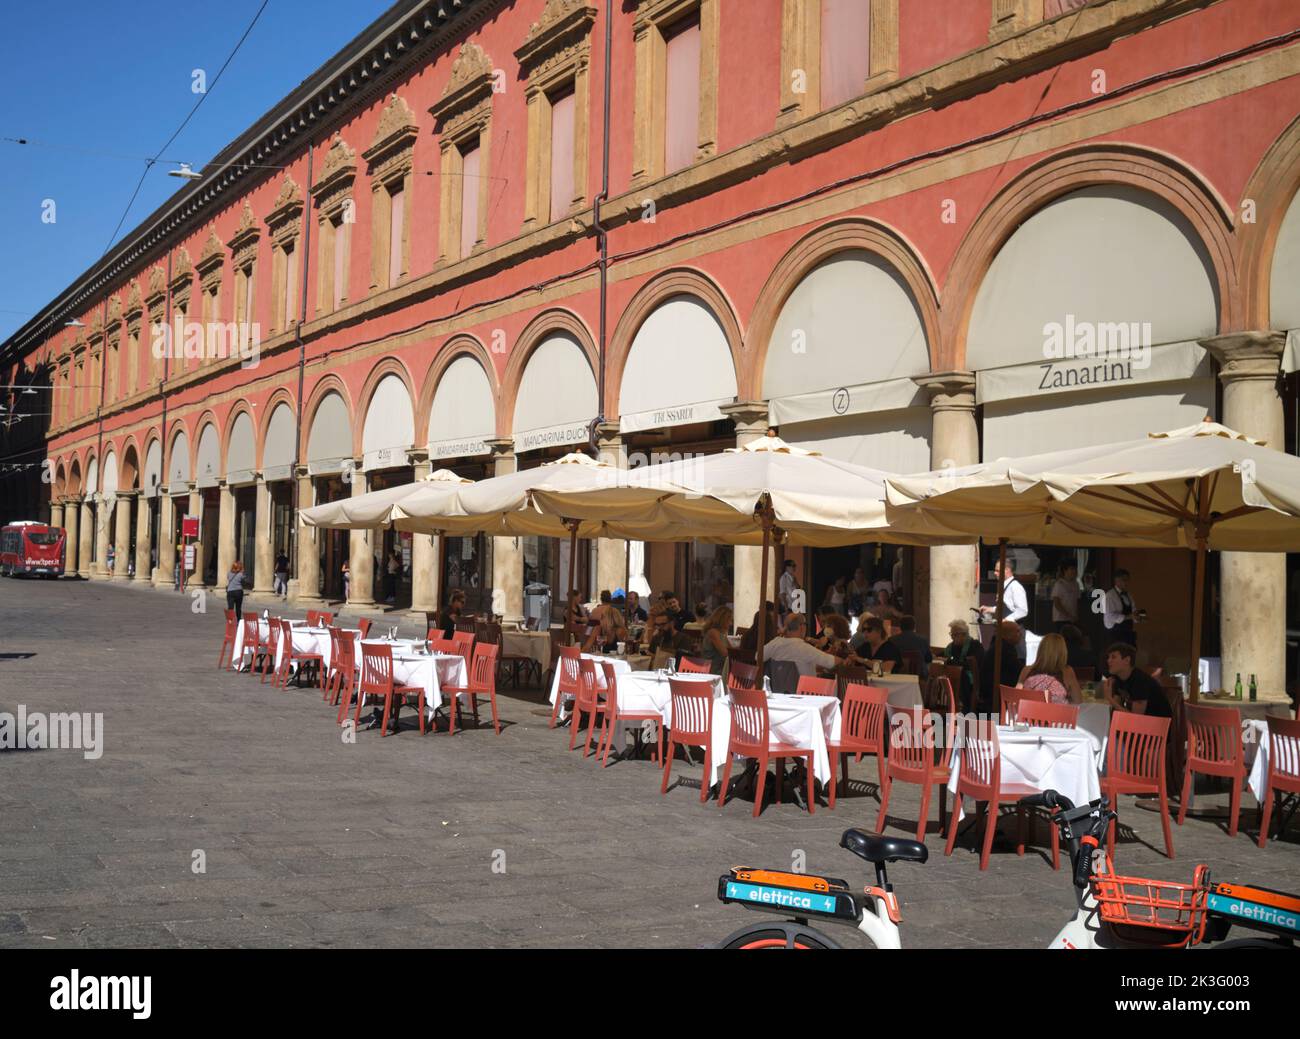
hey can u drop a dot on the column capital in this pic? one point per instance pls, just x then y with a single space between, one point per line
608 434
301 472
501 446
126 495
417 456
950 390
750 416
1251 355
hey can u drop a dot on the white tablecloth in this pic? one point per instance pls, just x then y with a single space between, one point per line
263 629
1063 760
536 645
622 666
1254 745
801 721
646 692
430 672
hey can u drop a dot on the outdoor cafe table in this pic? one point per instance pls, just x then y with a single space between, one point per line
263 631
430 672
1063 760
806 722
622 666
535 645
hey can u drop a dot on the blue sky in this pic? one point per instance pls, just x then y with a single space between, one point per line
99 87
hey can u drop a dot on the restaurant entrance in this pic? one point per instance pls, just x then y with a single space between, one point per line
332 544
398 588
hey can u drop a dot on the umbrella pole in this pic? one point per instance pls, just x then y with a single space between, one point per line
573 560
997 626
762 593
1198 605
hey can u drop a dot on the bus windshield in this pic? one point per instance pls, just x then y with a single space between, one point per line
49 538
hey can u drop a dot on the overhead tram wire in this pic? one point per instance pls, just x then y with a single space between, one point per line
150 163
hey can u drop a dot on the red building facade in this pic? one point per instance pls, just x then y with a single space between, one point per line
850 220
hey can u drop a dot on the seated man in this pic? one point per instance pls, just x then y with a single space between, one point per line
877 646
906 639
1130 688
608 627
790 645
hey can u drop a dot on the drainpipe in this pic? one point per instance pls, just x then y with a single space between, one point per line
302 355
602 234
162 384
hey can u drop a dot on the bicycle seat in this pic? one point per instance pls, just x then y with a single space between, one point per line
877 848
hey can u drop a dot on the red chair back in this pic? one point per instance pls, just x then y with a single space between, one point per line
1012 698
1048 715
376 669
742 676
232 623
1214 740
252 632
695 666
325 618
589 687
336 648
483 677
342 650
611 681
1135 748
464 645
447 646
811 686
1284 754
692 711
364 625
863 714
749 723
916 733
570 673
981 760
313 617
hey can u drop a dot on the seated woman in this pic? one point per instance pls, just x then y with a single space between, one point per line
609 628
576 617
455 611
713 642
1051 673
835 636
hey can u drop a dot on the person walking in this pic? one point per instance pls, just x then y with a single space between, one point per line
280 576
392 576
235 588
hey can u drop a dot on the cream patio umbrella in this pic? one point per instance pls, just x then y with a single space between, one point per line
377 508
766 490
1200 487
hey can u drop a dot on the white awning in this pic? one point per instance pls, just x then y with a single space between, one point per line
110 475
678 369
208 466
389 430
462 417
850 323
863 399
557 396
897 441
152 477
92 478
1093 264
178 464
1284 283
1047 377
329 444
240 467
278 453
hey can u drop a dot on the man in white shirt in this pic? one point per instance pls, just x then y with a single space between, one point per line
1015 603
786 588
1119 614
791 646
1065 597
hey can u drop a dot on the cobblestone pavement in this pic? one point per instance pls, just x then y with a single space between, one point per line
471 840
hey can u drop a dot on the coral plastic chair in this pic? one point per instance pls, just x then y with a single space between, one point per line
808 685
464 641
270 659
692 726
1048 715
1283 771
1135 764
313 618
570 678
482 681
751 738
377 680
1012 697
1214 749
695 666
980 778
290 656
742 676
614 715
227 654
862 731
343 663
588 701
252 647
364 624
324 619
913 760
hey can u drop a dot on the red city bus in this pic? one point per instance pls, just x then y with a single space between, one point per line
27 547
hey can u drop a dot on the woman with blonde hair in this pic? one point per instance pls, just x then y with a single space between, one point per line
713 644
1050 672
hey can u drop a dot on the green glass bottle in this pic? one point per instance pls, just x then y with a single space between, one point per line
1254 689
1236 690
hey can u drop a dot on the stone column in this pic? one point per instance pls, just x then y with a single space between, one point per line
87 536
954 442
611 553
750 418
361 553
103 534
225 531
507 553
166 575
424 551
195 579
264 565
72 543
144 539
1252 593
307 549
56 515
122 538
